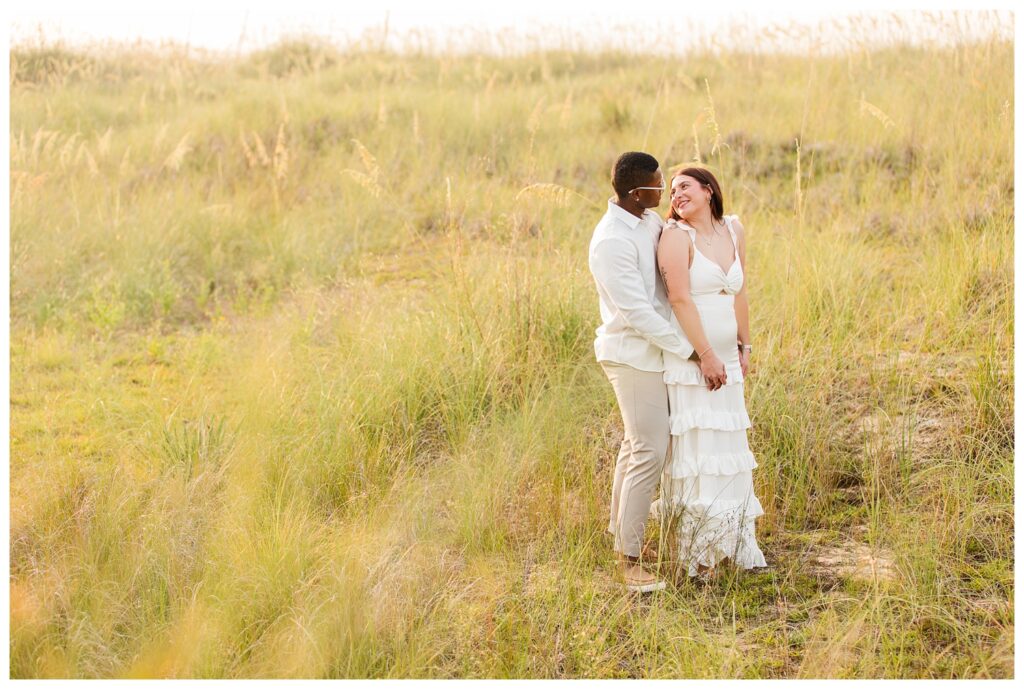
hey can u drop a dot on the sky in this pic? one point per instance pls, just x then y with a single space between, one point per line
244 26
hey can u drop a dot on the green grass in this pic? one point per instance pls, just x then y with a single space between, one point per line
302 382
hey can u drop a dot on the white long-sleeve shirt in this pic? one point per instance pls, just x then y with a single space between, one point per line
636 317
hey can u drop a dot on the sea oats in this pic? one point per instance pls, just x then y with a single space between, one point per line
280 155
553 193
876 112
176 156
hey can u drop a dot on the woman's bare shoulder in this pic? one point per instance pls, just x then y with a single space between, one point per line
737 226
673 231
674 247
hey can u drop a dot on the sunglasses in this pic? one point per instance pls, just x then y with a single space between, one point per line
661 188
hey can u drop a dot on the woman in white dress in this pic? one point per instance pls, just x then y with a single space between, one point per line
707 488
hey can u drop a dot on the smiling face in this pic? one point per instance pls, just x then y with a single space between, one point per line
689 197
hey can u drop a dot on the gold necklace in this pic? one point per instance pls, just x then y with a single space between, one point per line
714 233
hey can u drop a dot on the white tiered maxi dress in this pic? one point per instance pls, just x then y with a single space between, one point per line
707 482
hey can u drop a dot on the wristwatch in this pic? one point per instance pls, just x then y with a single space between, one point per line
748 347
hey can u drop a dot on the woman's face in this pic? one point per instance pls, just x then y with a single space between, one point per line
688 196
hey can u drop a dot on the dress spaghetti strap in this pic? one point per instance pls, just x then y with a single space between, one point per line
732 233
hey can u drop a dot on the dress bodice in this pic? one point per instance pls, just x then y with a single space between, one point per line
706 276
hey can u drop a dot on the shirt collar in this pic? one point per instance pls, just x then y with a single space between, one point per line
625 216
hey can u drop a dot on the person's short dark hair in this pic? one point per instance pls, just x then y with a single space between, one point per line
708 181
633 169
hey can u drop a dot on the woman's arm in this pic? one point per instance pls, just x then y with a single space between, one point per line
674 263
742 306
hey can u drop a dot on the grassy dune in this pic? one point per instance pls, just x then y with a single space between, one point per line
302 382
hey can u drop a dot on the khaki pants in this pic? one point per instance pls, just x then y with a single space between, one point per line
643 402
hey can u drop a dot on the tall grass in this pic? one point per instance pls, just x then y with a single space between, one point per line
303 385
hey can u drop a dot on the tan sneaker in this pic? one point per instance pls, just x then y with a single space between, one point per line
639 580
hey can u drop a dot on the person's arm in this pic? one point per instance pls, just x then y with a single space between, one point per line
742 305
674 263
615 265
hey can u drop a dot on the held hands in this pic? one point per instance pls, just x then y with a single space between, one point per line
713 370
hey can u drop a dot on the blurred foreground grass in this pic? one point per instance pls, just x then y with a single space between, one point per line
302 380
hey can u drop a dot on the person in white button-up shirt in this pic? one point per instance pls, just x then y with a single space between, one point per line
635 314
635 329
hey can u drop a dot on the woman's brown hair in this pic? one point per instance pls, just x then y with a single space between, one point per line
706 179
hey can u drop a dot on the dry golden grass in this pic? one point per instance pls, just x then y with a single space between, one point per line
302 381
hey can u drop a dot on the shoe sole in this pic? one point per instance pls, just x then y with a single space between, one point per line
646 588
